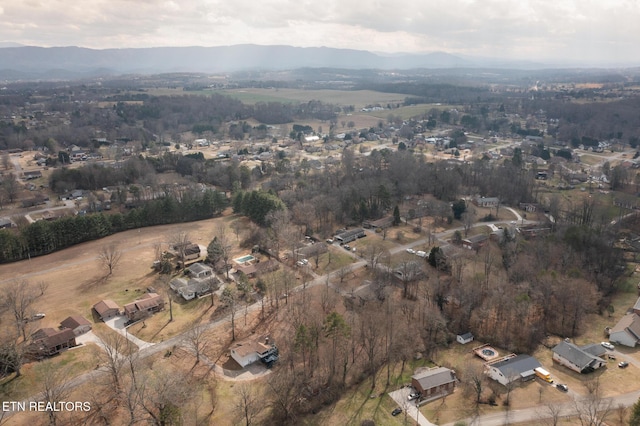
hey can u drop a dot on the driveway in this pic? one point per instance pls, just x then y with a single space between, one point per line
118 323
410 408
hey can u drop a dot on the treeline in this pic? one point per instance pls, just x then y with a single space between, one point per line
43 237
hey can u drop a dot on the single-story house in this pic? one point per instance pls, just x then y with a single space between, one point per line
5 222
475 242
627 331
32 175
106 309
147 305
199 270
513 368
350 235
249 352
262 267
194 287
434 382
385 222
49 341
581 359
486 201
77 323
465 338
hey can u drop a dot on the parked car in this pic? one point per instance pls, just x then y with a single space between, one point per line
347 247
413 395
37 316
608 345
396 412
562 387
623 364
421 254
411 251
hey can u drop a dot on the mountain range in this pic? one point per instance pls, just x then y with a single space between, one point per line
24 62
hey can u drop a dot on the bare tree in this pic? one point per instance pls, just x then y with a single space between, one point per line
43 286
249 405
55 387
163 395
551 414
593 409
468 218
179 242
18 300
375 253
196 340
109 257
11 187
113 356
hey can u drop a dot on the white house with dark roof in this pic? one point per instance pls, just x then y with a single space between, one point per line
512 368
581 359
627 331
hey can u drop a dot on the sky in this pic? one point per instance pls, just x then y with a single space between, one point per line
582 31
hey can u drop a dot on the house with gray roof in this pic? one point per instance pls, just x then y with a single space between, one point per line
581 359
512 368
627 331
436 382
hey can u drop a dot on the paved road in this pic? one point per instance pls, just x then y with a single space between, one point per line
537 413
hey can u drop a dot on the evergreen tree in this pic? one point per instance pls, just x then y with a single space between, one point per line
396 216
634 420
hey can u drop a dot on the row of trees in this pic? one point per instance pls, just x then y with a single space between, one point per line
44 237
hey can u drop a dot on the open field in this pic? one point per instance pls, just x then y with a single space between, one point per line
76 279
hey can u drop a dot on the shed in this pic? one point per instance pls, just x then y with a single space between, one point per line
465 338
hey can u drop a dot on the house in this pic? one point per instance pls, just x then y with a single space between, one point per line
486 201
581 359
434 382
465 338
512 368
194 287
199 270
255 268
475 242
252 351
385 222
49 341
106 309
32 175
187 249
627 331
529 207
351 235
5 222
144 307
78 324
636 307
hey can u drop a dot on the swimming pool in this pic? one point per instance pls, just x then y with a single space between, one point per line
243 259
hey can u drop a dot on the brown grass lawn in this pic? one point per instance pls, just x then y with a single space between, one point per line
76 361
77 281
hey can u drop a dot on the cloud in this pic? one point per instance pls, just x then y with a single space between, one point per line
535 29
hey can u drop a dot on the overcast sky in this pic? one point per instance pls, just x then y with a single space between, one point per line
585 31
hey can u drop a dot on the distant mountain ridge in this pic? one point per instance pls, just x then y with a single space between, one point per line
39 61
